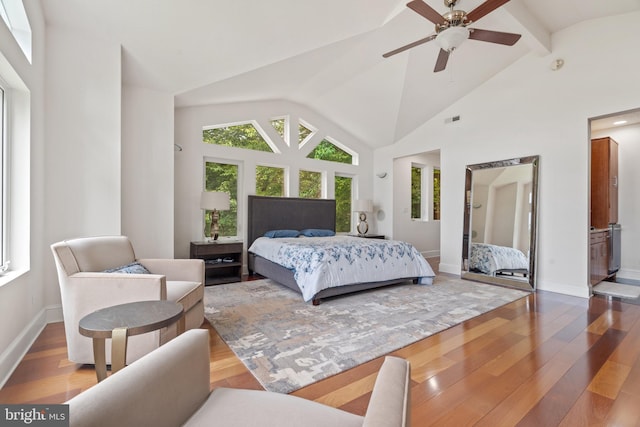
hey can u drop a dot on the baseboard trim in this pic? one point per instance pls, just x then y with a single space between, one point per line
13 355
561 288
449 268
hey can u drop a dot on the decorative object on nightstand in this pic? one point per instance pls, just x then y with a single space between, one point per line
362 206
222 260
213 202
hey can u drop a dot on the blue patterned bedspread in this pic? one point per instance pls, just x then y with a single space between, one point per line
492 258
323 262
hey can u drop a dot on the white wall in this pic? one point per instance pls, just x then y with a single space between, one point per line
628 139
424 235
83 116
526 110
147 171
189 168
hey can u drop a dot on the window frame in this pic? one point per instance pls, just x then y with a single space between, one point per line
274 148
239 191
323 181
4 173
427 192
285 178
353 179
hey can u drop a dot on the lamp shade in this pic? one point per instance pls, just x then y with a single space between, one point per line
363 205
210 200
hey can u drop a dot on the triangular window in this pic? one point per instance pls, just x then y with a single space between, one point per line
305 132
243 135
326 150
280 125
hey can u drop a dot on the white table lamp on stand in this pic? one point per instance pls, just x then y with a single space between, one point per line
213 202
362 206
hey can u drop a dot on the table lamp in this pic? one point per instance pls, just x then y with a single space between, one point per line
362 206
212 202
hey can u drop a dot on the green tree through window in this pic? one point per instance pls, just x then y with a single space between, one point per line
303 133
416 192
343 204
240 136
310 184
279 125
269 181
224 177
325 150
436 194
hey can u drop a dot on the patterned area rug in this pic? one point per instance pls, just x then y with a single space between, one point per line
288 344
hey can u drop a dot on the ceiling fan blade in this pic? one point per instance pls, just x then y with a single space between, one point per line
484 9
499 37
441 62
427 11
409 46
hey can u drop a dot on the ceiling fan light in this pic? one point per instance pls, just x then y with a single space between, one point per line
452 37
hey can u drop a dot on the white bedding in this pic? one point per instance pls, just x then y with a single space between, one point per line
490 259
323 262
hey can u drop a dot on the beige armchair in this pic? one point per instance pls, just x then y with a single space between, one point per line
86 287
170 387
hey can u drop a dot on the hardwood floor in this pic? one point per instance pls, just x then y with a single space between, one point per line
545 360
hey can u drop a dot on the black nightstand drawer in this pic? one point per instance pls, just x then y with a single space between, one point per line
222 260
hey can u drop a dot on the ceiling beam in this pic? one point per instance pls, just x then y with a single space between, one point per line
534 32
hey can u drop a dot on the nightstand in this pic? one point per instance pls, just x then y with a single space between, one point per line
222 260
368 236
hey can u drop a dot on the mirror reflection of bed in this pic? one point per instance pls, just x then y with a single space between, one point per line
499 238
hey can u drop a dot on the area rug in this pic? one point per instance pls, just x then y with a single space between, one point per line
617 290
288 344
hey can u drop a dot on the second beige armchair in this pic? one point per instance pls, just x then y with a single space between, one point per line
86 286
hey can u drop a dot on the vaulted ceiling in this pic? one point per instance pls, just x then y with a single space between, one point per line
326 55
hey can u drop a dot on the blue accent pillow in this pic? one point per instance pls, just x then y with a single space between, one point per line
133 268
281 233
317 232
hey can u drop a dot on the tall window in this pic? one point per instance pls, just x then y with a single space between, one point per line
436 193
425 192
416 192
224 177
343 203
310 186
269 181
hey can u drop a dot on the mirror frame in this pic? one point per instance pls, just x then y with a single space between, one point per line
529 284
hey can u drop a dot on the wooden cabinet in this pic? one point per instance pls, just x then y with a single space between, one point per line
599 256
222 260
604 182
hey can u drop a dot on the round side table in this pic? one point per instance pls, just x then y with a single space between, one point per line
121 321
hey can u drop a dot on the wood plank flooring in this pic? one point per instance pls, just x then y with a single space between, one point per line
545 360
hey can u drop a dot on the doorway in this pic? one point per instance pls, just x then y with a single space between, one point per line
624 129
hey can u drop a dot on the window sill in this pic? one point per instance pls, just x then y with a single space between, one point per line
10 276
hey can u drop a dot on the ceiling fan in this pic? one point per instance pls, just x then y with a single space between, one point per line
451 28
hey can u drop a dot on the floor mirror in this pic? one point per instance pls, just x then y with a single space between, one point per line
500 213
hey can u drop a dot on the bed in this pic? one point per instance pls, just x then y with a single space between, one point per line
497 260
284 213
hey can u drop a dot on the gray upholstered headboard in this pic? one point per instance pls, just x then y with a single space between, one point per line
290 213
